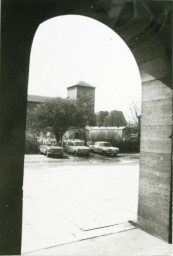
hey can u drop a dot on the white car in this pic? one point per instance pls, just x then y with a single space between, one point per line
49 150
76 147
104 148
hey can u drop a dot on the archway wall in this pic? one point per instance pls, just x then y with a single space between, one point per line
156 129
141 27
151 47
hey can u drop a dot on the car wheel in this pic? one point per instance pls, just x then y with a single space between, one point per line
104 153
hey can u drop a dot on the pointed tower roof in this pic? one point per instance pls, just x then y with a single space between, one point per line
83 84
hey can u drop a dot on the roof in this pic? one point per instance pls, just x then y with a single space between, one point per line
37 98
83 84
75 128
105 128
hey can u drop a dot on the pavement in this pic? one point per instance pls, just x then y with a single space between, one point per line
81 206
133 242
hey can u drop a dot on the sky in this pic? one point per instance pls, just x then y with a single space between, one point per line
72 48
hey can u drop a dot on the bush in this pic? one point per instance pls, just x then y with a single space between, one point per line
31 145
129 146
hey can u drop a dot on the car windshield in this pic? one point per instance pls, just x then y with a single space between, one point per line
105 144
79 143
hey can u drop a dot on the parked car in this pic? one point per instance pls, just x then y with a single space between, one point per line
50 150
104 148
76 147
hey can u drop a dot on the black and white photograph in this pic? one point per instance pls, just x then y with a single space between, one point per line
86 128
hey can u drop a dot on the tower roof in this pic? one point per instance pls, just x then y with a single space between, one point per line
83 84
38 98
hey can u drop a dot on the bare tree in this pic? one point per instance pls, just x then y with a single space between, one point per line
135 111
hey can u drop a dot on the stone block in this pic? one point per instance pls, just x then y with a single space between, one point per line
155 163
154 69
157 112
156 139
156 145
161 132
153 220
159 179
156 90
153 192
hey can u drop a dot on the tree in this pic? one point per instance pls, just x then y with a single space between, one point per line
85 108
57 115
100 117
31 128
135 117
115 118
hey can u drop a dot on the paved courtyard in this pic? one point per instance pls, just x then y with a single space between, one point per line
69 200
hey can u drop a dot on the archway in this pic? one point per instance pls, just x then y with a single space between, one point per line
74 45
143 26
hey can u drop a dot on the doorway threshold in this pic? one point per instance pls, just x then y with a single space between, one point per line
31 248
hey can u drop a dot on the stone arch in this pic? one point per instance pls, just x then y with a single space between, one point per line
145 26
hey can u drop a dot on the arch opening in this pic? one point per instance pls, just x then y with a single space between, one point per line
77 50
105 53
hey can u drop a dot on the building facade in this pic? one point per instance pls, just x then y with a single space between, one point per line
83 93
96 133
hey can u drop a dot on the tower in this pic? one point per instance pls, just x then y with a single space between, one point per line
83 92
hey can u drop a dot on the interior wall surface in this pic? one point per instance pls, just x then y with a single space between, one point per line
146 28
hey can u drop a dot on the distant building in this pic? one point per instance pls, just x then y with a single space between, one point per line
34 100
74 133
95 133
107 133
80 91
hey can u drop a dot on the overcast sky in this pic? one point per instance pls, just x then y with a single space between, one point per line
71 48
